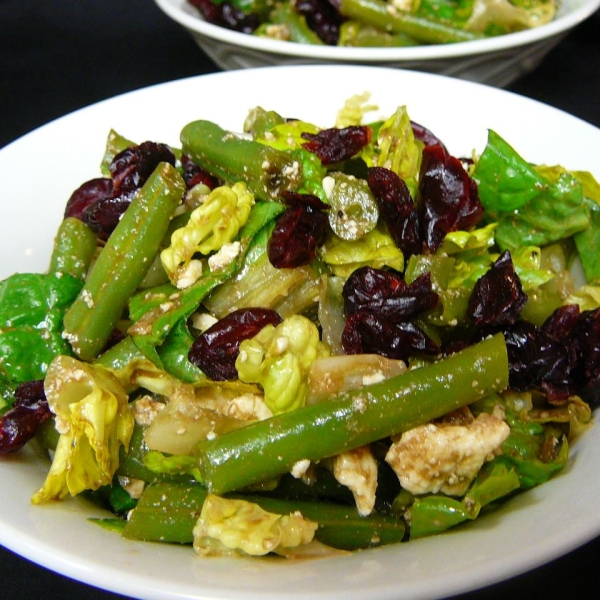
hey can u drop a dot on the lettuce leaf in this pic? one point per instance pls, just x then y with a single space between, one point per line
94 421
531 210
32 307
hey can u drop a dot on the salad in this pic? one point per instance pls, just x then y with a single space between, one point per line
306 340
376 23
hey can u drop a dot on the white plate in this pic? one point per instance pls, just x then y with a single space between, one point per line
38 173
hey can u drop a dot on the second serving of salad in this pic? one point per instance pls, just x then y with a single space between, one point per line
305 340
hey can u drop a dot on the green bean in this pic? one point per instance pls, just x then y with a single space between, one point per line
380 14
300 32
168 513
266 449
123 262
265 170
259 121
74 248
353 33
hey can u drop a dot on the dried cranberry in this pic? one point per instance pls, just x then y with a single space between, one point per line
131 168
539 361
562 323
335 145
587 339
299 231
387 295
20 422
194 175
322 17
498 297
397 209
95 190
215 350
236 19
102 216
448 197
367 333
425 135
208 9
225 14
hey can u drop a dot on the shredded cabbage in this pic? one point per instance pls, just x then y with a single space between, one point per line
213 224
228 526
279 359
93 418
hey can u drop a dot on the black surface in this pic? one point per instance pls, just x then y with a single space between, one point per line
56 57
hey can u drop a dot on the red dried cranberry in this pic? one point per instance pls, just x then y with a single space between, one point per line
102 216
367 333
497 297
397 209
216 350
562 322
425 135
386 294
299 231
448 197
225 14
20 422
95 190
131 168
323 17
539 361
335 145
194 175
586 335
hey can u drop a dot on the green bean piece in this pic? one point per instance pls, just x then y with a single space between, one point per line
265 170
340 526
266 449
300 32
378 14
74 248
259 121
355 34
123 262
168 513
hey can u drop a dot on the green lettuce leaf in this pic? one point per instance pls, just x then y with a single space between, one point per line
32 307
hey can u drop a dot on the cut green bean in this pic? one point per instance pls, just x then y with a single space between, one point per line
265 170
74 248
300 32
269 448
168 513
382 15
123 262
353 33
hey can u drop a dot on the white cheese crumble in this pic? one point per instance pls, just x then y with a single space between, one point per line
445 457
134 487
189 274
357 470
145 410
226 254
300 468
202 321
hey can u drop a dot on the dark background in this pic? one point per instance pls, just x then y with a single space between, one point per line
56 57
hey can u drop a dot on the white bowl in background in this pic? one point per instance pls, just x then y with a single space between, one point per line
494 61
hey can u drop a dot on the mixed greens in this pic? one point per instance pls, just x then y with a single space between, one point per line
304 340
377 23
